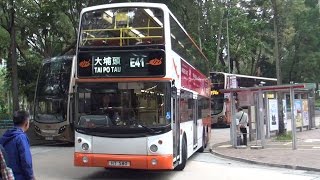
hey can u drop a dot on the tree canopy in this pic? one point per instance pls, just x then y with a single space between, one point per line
48 28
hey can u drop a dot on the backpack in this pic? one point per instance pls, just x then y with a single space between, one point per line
6 172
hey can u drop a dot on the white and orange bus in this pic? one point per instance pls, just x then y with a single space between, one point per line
220 103
142 92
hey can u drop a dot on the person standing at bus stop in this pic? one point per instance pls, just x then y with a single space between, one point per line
242 118
17 147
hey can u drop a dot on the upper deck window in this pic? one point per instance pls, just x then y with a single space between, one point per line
183 45
122 27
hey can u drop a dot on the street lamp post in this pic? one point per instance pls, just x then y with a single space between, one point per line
228 44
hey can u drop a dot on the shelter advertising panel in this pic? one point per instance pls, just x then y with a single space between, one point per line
305 112
121 63
284 110
298 112
273 114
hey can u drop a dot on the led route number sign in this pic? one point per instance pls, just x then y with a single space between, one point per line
121 63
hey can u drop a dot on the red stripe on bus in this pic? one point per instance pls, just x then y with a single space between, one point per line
136 161
85 80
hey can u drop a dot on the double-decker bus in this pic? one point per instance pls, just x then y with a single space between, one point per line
142 90
52 120
220 103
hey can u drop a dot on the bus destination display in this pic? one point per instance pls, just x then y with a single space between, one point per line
121 64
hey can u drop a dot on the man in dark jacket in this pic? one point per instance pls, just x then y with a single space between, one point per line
17 147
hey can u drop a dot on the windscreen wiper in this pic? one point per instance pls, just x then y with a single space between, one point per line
147 128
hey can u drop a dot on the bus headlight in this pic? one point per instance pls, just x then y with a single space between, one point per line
153 148
63 128
85 146
37 128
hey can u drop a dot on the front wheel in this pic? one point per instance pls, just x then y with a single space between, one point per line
184 155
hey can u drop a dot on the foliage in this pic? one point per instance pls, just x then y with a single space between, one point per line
284 137
317 103
49 28
5 116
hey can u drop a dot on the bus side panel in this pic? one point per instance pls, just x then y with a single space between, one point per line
200 132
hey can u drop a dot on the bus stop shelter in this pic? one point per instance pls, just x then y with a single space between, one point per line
257 98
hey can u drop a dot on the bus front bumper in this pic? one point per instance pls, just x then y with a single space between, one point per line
152 162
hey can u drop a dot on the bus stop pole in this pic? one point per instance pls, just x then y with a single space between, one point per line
261 119
267 115
293 121
233 134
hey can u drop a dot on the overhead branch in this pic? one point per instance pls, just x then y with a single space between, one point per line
33 44
21 52
70 47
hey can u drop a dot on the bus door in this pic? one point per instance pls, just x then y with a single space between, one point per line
71 109
176 123
195 122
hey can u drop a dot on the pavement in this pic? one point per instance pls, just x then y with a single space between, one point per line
275 153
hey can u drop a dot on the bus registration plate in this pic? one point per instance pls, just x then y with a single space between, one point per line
119 163
49 138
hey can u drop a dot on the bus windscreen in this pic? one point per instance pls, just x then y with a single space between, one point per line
121 27
217 98
134 105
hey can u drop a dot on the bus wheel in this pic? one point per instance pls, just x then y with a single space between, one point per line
184 155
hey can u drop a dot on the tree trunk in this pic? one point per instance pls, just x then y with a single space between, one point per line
279 77
13 58
219 35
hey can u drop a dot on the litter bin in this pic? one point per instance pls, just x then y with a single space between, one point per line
239 140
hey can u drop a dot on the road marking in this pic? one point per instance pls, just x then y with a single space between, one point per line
316 147
225 146
311 140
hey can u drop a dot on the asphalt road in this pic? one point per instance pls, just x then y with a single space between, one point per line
56 163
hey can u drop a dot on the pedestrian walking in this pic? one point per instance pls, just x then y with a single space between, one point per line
17 147
242 118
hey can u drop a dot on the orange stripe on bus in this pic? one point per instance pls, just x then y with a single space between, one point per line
136 161
85 80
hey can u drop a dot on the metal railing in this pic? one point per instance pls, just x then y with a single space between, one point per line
126 33
6 124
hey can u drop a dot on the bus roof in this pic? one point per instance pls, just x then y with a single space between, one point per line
246 76
138 4
133 4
